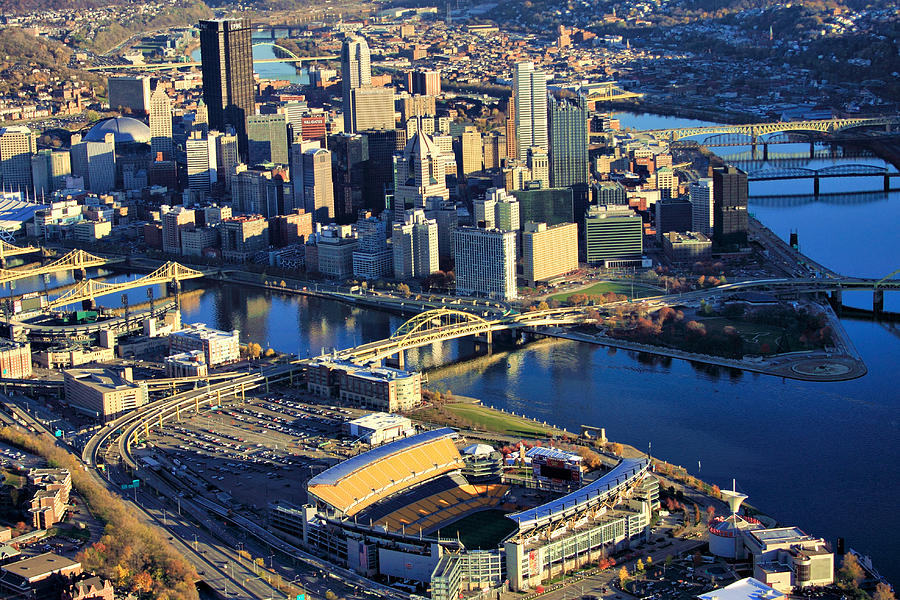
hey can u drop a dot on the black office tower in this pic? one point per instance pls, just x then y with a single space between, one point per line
730 221
226 57
350 160
383 144
568 141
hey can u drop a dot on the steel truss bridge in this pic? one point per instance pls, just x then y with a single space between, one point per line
90 289
289 58
7 250
76 260
754 130
607 91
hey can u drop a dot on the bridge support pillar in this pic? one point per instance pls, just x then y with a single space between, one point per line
878 301
765 151
812 149
837 300
816 186
79 274
485 340
399 362
887 183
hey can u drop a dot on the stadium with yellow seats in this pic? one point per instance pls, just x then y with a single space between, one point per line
418 514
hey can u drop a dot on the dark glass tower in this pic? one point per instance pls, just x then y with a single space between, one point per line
226 57
730 219
568 141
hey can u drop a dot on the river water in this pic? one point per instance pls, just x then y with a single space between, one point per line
822 456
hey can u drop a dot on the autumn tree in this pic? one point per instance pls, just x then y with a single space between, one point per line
623 575
883 592
851 573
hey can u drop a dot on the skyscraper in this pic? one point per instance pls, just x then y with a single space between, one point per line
485 262
613 233
129 93
356 72
568 141
318 188
226 57
415 241
227 155
161 123
531 107
418 174
267 139
17 144
201 164
349 155
701 192
471 152
371 108
426 82
730 189
94 161
49 169
372 259
539 165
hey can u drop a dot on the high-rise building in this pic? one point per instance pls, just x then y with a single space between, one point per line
549 252
94 161
174 223
129 93
666 182
226 57
494 145
161 123
349 157
702 202
673 214
318 187
611 192
539 165
485 209
292 228
202 168
730 222
418 174
227 155
530 91
49 169
261 191
372 108
552 206
356 72
267 139
506 213
243 237
17 144
512 150
426 82
379 181
485 262
568 141
471 152
372 259
335 247
445 214
415 242
613 233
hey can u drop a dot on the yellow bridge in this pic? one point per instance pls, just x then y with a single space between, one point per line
90 289
7 250
754 130
607 91
73 261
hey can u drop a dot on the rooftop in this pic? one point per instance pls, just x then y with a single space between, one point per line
202 332
745 589
40 565
125 130
380 420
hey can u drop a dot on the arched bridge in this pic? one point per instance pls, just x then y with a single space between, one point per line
73 261
754 130
446 324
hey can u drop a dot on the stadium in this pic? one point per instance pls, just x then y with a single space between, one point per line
421 515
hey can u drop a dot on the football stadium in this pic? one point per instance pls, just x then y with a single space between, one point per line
425 517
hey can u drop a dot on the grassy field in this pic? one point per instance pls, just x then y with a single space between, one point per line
605 287
497 421
482 530
753 334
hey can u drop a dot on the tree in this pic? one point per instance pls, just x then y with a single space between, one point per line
639 566
542 305
254 350
710 513
883 592
851 572
403 289
329 595
623 575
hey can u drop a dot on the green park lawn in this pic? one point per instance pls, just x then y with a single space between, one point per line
497 421
605 287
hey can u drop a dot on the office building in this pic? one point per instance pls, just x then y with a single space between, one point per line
15 360
551 206
318 188
267 139
418 174
494 150
187 364
161 123
174 222
128 94
568 122
485 263
226 57
512 149
506 212
335 245
17 144
611 193
372 259
202 169
372 108
356 72
242 237
673 214
349 157
95 162
197 241
261 191
289 229
415 242
444 213
549 252
702 203
218 347
613 233
227 155
530 93
538 163
378 428
730 219
411 107
471 152
425 82
49 170
686 248
379 170
103 393
486 208
37 577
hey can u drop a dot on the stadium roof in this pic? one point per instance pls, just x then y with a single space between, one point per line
552 453
478 449
626 470
341 470
15 211
125 129
745 589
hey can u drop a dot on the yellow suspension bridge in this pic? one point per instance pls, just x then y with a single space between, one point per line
73 261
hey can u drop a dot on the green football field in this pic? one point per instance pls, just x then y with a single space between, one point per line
482 530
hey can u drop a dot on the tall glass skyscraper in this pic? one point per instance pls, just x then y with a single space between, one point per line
568 141
226 56
356 72
530 108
